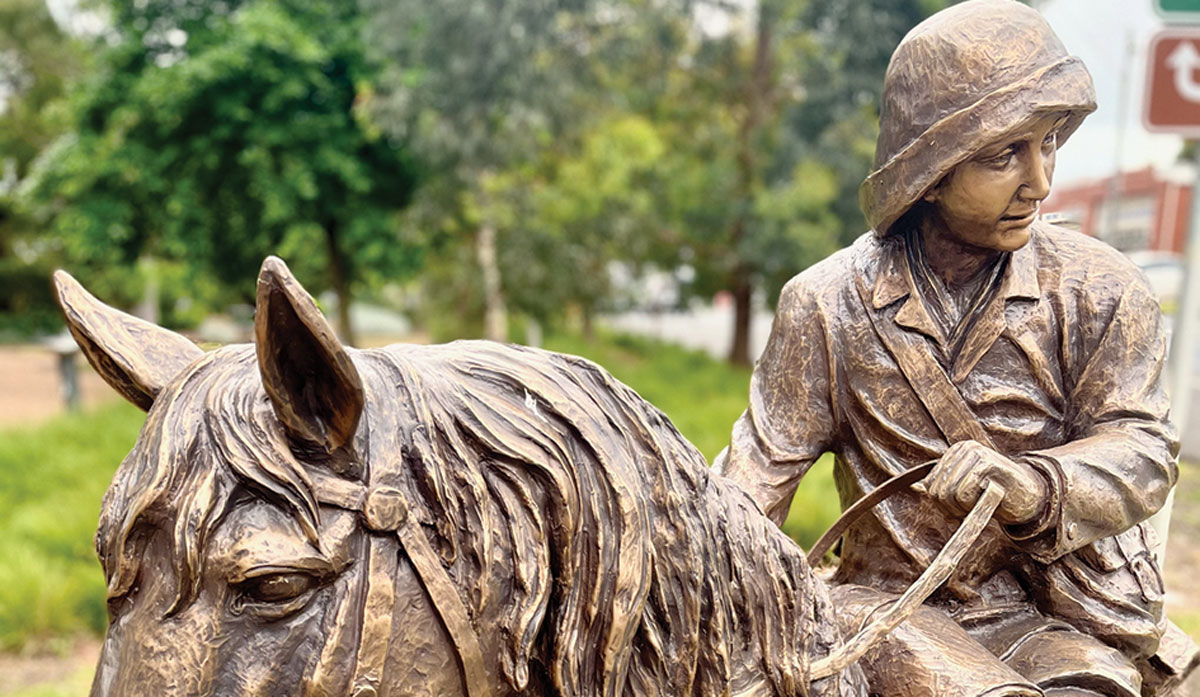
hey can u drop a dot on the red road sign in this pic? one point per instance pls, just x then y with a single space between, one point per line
1173 83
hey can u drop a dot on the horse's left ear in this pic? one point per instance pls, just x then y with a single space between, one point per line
313 385
137 358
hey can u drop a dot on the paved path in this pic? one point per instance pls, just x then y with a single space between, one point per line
704 328
30 388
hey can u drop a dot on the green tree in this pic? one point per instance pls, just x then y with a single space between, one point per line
220 133
775 123
838 119
498 97
37 60
747 207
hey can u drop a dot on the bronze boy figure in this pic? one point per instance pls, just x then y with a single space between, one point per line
964 330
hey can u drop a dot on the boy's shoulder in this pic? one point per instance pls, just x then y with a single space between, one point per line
829 279
1068 258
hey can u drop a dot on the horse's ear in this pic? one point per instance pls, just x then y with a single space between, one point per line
313 385
137 358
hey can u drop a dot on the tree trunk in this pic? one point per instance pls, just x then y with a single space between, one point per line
743 294
340 281
495 313
758 98
588 318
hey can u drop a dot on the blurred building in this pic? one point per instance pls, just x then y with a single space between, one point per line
1143 213
1137 212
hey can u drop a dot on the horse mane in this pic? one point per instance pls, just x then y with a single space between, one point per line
635 569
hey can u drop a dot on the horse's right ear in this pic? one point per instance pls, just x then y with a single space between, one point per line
137 358
314 387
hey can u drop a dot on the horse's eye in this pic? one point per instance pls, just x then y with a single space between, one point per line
278 588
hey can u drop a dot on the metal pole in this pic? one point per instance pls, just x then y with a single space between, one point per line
1117 182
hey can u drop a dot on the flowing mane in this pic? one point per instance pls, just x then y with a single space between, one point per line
630 559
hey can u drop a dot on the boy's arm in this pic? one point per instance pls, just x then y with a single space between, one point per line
1120 463
789 422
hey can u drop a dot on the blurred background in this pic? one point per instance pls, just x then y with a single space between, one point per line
629 180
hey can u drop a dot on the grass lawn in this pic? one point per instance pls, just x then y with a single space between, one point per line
52 479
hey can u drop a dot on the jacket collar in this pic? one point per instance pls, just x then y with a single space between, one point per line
895 282
895 279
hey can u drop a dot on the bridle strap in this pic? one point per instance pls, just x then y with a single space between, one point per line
382 560
384 513
449 605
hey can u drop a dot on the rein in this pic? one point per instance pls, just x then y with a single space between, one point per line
934 575
384 513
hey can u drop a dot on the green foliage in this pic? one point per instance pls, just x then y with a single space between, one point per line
52 479
838 120
36 62
26 304
239 137
492 96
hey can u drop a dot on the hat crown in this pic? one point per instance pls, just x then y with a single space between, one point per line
955 58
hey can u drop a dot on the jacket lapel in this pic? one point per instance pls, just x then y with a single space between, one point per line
911 351
895 282
1019 282
901 334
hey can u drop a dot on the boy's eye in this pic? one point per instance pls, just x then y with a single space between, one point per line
1001 158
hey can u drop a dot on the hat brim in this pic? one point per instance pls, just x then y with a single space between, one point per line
894 187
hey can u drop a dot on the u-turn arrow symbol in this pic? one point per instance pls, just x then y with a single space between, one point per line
1183 62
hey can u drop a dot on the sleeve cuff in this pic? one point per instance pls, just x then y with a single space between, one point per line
1040 527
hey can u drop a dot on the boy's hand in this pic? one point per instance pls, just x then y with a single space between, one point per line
962 474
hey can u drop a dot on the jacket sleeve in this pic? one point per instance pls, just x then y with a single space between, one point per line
1119 465
789 422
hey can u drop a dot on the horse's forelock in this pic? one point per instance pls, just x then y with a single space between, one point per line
209 435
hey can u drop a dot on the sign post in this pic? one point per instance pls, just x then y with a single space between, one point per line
1173 106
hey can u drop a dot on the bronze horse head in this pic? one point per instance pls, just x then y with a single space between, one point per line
300 518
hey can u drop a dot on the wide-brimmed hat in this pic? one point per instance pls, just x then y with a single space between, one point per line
958 82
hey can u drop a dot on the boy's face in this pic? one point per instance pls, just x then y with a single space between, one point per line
990 200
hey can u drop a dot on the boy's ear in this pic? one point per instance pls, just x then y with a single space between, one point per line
137 358
931 196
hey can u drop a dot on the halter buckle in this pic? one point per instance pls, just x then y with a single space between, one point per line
384 509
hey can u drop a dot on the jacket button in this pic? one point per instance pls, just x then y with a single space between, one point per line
1072 531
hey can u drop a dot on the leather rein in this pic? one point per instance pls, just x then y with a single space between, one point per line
934 575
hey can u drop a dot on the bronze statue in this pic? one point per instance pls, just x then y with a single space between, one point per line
962 330
299 518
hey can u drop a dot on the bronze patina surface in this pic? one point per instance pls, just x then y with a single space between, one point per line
964 331
300 518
